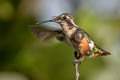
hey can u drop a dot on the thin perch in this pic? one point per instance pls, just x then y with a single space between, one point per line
76 71
77 61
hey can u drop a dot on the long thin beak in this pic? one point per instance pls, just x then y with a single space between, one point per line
45 21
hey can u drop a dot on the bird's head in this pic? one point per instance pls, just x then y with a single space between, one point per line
64 18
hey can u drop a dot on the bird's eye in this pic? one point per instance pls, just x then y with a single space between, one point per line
64 17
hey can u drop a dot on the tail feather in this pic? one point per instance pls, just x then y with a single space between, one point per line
101 52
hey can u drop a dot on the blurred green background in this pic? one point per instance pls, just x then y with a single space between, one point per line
24 57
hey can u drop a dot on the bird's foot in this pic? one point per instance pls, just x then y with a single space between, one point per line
77 59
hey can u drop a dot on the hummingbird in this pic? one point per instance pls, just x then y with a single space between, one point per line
71 34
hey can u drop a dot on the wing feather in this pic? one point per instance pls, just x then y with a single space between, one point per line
45 32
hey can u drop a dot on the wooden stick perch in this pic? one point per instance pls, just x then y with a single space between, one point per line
77 61
76 71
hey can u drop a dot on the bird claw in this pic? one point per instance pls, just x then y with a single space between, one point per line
76 61
77 58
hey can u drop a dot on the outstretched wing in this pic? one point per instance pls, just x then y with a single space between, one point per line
46 32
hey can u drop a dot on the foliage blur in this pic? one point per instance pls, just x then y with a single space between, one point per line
24 57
